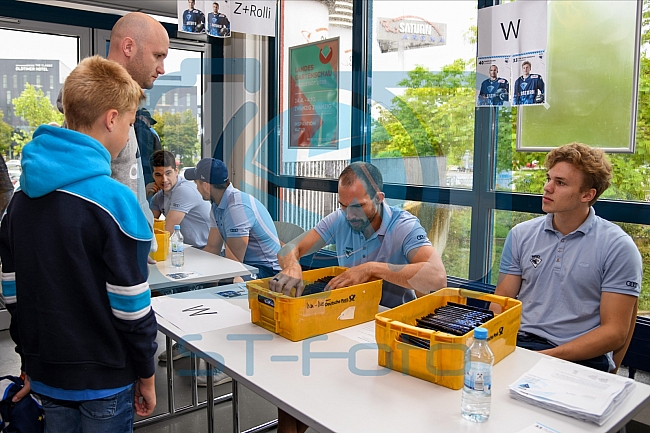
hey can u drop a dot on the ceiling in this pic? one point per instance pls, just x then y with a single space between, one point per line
165 8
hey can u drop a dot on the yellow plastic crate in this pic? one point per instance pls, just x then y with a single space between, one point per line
320 313
444 362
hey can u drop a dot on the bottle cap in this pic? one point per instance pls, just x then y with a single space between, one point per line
480 333
177 227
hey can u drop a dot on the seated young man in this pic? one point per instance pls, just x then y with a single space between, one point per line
179 201
74 246
577 275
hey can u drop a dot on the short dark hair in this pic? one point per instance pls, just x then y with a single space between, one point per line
367 174
526 63
163 158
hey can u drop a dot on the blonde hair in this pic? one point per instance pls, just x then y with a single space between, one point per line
593 163
94 87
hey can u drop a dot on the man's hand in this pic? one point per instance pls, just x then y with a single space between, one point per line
151 189
287 279
356 275
145 396
24 391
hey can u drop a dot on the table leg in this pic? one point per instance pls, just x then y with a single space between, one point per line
210 397
235 407
171 406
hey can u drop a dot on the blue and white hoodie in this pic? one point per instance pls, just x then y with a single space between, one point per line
74 246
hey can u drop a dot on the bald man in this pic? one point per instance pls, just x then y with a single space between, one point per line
140 44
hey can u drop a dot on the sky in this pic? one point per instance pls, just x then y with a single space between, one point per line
41 46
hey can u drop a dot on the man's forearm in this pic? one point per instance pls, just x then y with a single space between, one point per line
597 342
289 257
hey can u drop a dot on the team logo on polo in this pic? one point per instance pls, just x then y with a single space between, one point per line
535 259
348 251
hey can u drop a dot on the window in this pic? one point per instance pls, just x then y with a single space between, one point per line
4 81
188 100
423 92
58 49
322 144
180 130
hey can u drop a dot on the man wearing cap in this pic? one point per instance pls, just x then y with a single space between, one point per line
237 218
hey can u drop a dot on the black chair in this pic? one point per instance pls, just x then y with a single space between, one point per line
638 353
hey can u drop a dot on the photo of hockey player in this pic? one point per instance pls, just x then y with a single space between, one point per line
529 88
192 20
495 90
218 24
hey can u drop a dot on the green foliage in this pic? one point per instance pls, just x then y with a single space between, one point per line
434 116
5 134
36 109
179 134
456 254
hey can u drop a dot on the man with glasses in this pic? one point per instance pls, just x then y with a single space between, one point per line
374 240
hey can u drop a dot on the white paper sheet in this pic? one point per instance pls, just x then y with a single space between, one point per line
364 333
572 389
194 316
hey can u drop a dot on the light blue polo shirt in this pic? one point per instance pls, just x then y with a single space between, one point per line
239 215
563 276
400 233
184 197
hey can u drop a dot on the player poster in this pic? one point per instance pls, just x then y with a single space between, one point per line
512 40
219 18
217 21
191 19
314 95
494 89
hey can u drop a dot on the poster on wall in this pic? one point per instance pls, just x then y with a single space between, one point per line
191 18
217 22
511 60
314 95
218 18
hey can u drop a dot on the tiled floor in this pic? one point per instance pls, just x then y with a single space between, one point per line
254 410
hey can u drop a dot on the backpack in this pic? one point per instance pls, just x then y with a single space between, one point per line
26 416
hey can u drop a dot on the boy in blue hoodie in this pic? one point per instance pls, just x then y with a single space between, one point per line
74 246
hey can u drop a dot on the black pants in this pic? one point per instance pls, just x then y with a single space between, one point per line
537 343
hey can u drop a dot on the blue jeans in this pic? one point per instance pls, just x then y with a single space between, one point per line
112 414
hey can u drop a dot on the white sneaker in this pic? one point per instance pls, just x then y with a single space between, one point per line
219 376
178 352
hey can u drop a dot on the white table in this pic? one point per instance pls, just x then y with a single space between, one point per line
210 267
207 267
334 384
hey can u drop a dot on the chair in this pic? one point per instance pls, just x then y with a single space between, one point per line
287 231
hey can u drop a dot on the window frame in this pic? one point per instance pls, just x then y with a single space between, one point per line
483 199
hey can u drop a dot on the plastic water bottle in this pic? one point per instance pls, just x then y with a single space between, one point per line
178 254
477 392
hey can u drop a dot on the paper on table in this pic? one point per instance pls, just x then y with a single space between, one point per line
538 428
194 316
572 389
364 333
175 276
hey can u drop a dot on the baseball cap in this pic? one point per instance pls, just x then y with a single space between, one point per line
210 170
